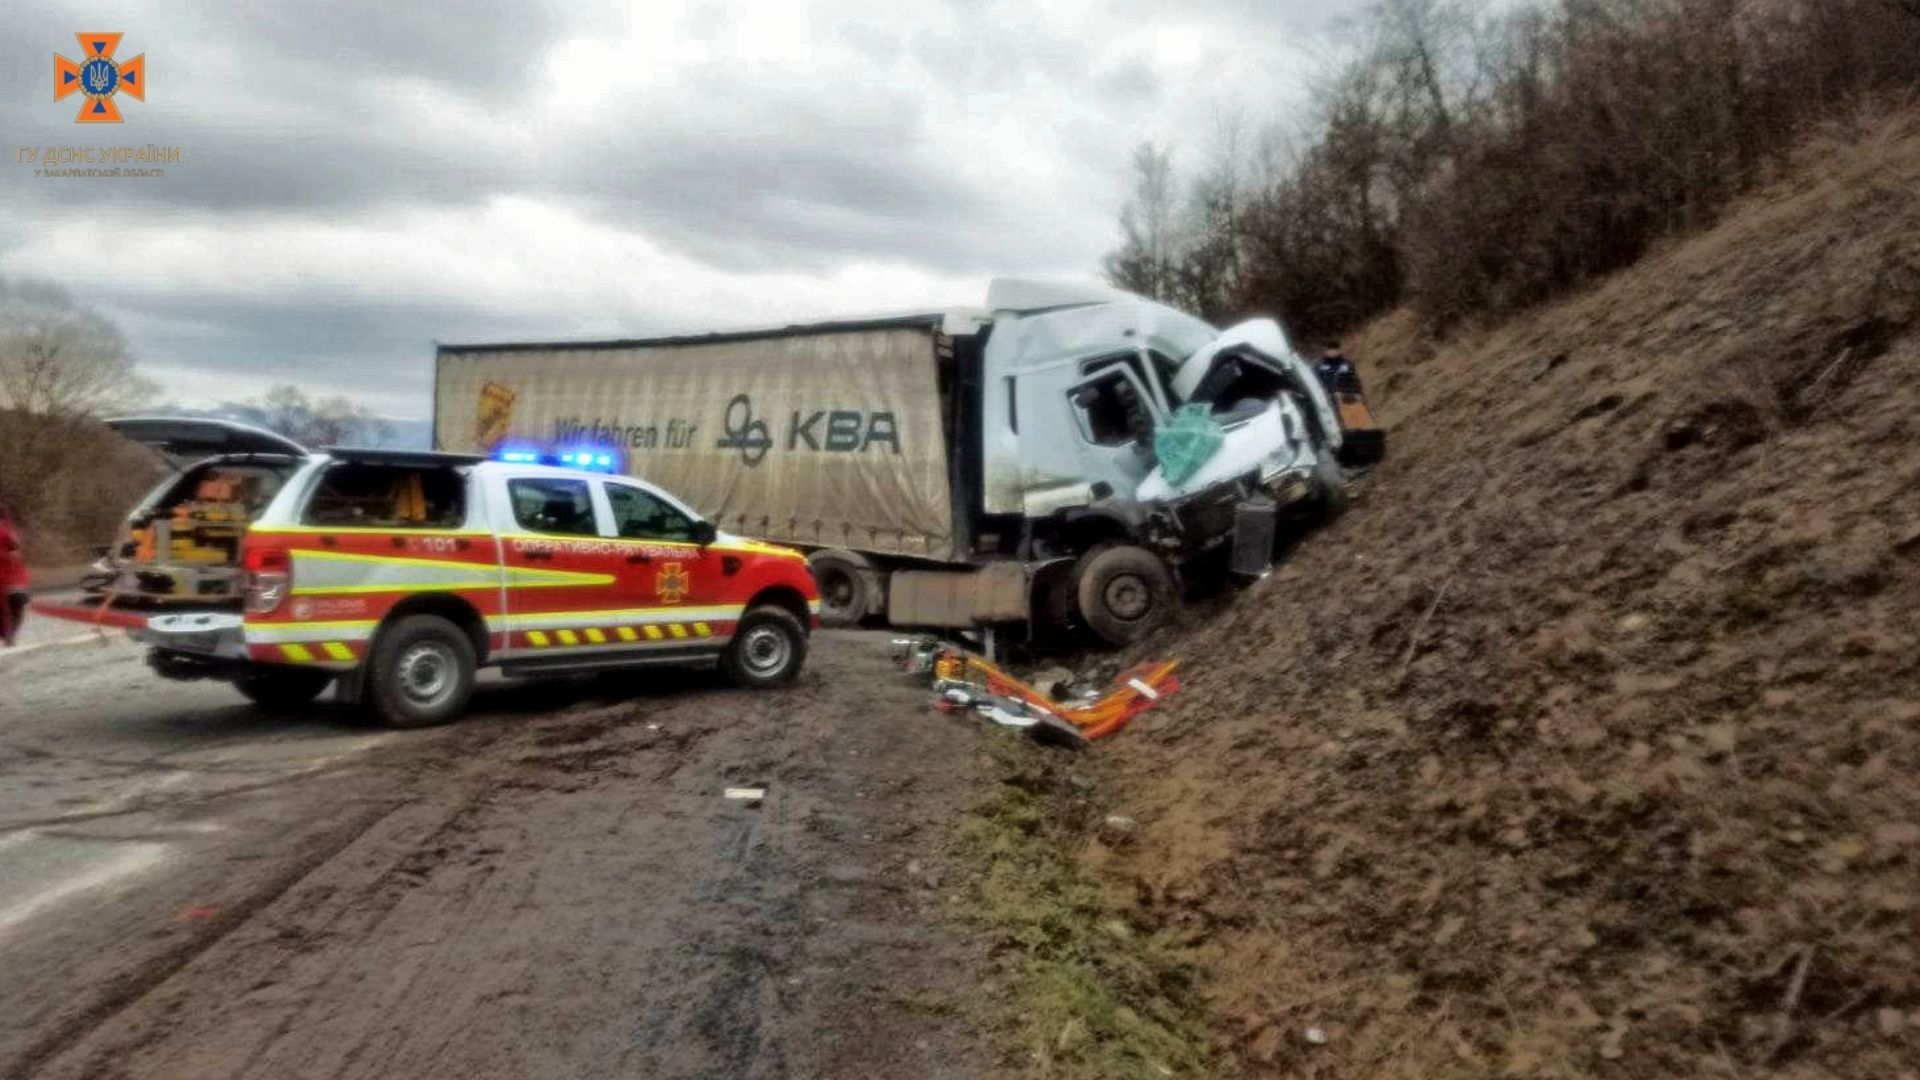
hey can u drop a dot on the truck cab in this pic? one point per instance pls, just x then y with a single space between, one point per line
399 574
1076 381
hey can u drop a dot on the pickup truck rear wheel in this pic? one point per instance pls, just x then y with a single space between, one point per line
420 672
768 648
282 687
1124 591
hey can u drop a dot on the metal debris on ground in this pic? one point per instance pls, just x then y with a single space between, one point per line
965 680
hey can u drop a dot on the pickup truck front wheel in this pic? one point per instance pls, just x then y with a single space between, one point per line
279 688
1124 592
420 672
767 649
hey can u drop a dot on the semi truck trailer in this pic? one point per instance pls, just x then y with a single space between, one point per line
971 468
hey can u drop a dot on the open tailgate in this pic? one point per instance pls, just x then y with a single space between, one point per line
187 439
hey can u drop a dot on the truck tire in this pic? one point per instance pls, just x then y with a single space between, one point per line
1124 592
1332 482
277 688
846 587
768 648
420 672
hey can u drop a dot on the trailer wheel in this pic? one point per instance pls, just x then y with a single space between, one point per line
846 587
768 648
1124 591
274 687
420 672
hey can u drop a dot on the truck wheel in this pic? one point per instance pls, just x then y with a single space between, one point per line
279 688
768 648
420 672
1125 592
846 590
1331 481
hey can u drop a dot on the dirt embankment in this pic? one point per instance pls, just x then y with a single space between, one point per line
1587 742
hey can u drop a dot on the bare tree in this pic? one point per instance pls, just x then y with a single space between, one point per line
1207 270
60 359
1474 162
61 365
328 421
1145 261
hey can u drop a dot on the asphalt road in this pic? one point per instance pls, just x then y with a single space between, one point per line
554 886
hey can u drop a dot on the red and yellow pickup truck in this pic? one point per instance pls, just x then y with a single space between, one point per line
398 574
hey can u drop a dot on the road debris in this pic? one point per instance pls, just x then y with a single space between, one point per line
965 680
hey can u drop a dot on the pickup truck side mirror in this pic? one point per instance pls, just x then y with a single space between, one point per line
703 532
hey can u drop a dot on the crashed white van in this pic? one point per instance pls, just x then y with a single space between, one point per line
971 468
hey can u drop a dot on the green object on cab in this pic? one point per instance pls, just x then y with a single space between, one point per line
1186 442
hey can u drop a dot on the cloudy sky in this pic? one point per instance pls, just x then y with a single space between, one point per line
361 179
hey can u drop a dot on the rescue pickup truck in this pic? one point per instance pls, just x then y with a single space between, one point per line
398 574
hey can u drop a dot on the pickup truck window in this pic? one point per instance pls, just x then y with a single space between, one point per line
388 497
640 515
553 505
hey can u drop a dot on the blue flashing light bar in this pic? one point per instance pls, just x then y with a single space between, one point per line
597 460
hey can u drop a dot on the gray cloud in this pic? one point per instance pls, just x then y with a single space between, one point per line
362 178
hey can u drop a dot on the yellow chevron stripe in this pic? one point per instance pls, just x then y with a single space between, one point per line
296 653
703 629
678 629
596 636
653 633
626 633
568 637
338 651
538 637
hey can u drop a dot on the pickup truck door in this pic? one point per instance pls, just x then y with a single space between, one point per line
560 576
666 571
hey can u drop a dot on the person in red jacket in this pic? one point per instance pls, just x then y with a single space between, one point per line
13 579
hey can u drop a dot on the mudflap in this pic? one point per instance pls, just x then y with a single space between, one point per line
350 686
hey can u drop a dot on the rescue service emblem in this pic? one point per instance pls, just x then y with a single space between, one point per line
99 77
672 582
